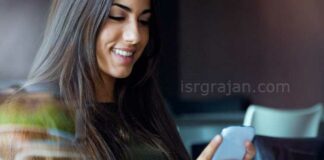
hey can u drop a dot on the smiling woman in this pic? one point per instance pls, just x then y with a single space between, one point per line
102 56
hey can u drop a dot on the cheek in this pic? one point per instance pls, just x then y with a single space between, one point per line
100 50
109 33
100 43
104 40
145 39
146 36
99 46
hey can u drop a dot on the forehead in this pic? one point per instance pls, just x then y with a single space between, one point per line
136 5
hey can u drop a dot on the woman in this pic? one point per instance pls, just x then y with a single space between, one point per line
102 55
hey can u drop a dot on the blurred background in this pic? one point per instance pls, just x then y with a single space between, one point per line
207 45
277 41
21 29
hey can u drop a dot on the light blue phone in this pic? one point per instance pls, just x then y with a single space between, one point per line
232 147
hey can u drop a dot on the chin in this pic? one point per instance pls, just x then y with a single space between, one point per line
121 74
117 73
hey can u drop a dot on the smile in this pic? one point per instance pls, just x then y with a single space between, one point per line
122 52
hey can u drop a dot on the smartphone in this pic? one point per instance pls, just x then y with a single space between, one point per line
233 145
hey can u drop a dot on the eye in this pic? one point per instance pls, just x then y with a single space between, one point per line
145 22
117 18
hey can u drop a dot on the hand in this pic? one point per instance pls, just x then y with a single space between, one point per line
212 147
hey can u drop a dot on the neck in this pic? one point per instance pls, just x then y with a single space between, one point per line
105 89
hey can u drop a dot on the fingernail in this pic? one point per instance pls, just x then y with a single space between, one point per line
217 137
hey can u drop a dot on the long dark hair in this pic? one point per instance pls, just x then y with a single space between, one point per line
67 57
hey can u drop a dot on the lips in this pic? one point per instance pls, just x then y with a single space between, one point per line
124 56
122 52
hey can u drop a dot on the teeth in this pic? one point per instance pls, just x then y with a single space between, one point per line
122 52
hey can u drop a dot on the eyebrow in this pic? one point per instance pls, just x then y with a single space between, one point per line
129 9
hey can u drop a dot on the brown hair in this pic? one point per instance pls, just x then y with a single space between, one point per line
67 58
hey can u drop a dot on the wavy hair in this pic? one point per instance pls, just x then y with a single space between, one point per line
67 58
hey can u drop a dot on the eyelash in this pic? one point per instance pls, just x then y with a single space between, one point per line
117 18
143 22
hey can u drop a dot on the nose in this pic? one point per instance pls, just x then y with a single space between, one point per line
131 33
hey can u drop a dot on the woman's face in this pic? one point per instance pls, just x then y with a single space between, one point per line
123 37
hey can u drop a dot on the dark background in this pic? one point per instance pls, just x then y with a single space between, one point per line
279 41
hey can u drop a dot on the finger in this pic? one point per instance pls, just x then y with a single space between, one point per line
250 151
211 148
